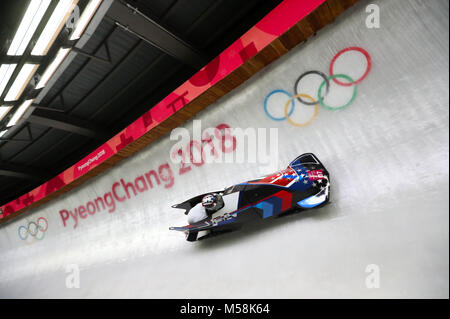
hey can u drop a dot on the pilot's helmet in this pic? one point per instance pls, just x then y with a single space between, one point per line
209 201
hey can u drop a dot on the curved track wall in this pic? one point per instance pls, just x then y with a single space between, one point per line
387 153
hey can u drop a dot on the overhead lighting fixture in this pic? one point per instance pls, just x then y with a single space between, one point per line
19 113
53 26
3 133
60 56
3 111
20 82
28 25
6 70
86 16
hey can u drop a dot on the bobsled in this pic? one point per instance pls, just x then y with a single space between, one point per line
304 184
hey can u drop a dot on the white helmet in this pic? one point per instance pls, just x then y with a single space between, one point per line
209 201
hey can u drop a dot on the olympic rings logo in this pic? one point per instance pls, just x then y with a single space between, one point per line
34 229
323 90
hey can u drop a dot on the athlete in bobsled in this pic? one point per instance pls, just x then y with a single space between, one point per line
304 184
210 204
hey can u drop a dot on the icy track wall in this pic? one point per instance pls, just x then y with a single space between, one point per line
387 153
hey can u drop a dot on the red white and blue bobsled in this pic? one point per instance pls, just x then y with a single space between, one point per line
304 184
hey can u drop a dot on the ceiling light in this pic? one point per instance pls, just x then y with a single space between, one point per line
53 26
86 16
62 53
2 133
28 25
20 82
19 113
6 70
3 111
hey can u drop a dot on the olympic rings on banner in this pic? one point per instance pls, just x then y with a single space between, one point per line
320 94
35 229
358 49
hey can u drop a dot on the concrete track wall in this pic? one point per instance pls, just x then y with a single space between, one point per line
387 154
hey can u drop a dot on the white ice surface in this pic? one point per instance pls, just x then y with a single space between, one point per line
387 155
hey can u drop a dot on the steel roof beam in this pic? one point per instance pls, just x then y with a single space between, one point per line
16 59
22 172
132 20
67 123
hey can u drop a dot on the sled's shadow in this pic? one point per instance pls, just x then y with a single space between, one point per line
263 225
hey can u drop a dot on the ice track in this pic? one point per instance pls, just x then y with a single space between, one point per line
387 154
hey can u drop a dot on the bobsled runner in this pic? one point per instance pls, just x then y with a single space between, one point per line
304 184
